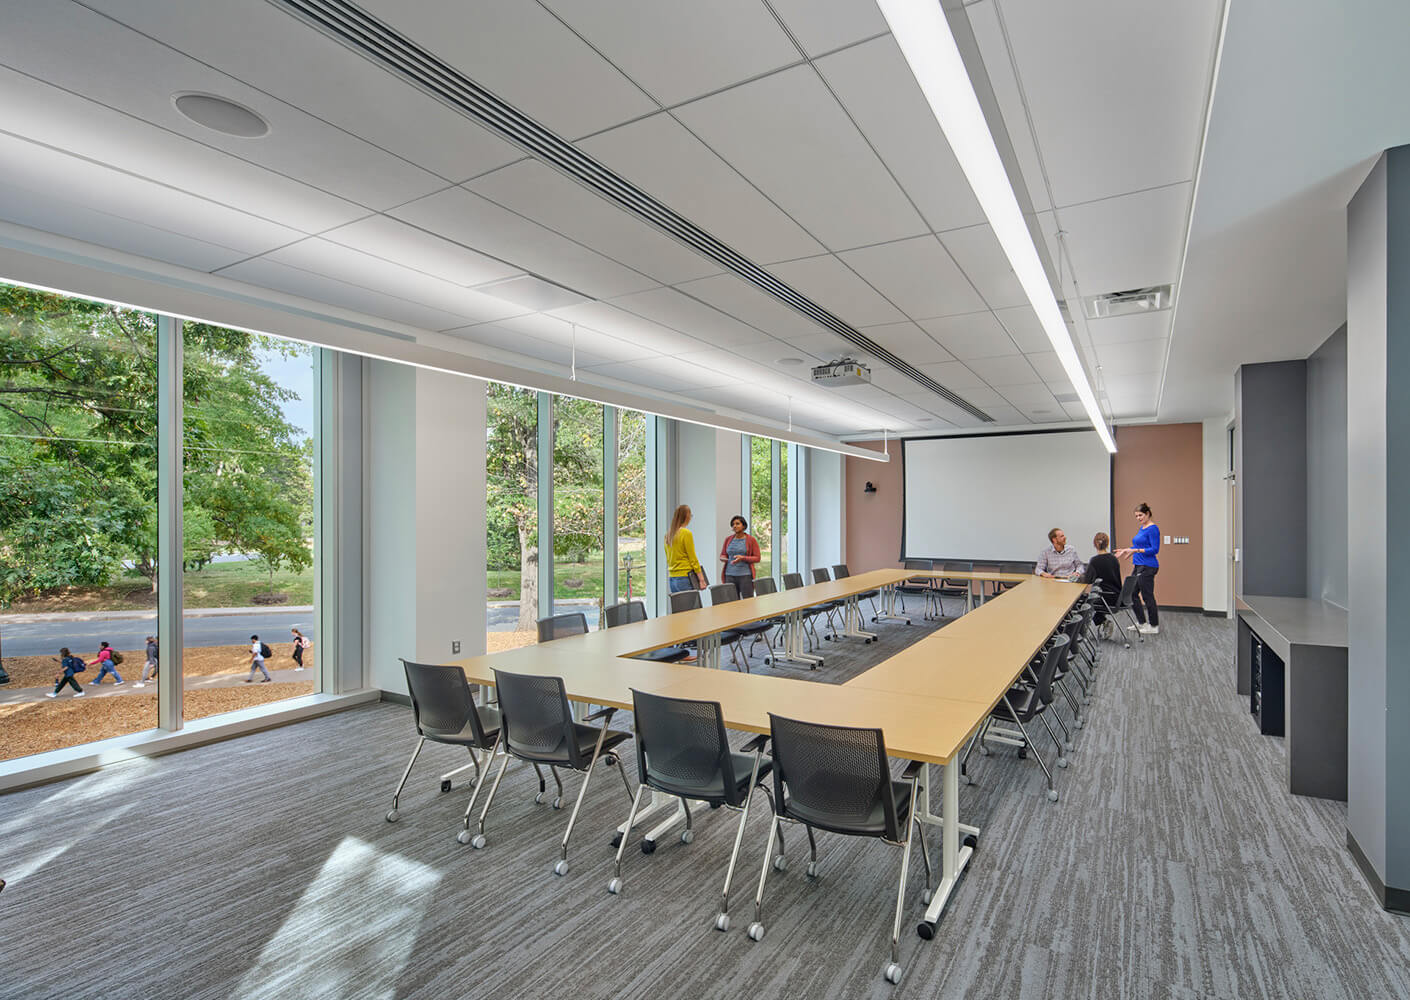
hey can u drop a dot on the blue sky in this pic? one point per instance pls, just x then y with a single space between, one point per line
294 373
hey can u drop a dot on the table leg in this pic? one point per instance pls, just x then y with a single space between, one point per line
851 621
793 643
888 605
954 856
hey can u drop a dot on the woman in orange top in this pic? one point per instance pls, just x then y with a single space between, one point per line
739 554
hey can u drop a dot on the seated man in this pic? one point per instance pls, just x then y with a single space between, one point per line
1104 573
1057 560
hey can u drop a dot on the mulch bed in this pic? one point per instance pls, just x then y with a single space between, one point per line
198 661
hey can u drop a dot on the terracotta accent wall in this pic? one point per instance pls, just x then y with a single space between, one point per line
873 529
1163 465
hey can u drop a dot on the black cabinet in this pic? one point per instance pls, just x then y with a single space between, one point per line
1267 688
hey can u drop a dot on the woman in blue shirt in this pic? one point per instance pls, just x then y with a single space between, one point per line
1144 547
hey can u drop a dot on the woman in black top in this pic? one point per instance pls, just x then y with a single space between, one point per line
1104 571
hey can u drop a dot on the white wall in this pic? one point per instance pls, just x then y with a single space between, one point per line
1216 514
709 480
826 518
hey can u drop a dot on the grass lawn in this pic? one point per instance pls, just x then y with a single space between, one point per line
584 579
221 585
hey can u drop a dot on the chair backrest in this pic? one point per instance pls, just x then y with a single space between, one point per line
535 716
1055 656
558 626
820 576
792 581
441 701
956 567
836 773
685 600
1128 590
624 614
765 585
682 744
839 571
723 593
926 564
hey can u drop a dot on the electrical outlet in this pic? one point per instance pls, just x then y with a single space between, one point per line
454 646
1167 539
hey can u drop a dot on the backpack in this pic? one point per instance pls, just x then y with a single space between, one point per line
265 651
117 657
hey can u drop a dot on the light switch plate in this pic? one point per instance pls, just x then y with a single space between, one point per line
454 646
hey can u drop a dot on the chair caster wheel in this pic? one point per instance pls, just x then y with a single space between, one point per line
756 931
780 864
1067 747
463 837
1077 724
687 836
969 779
561 868
538 799
558 803
478 841
1062 762
608 761
925 930
393 815
970 841
1052 795
1022 753
768 661
926 897
617 840
614 887
722 921
983 750
893 973
812 870
445 785
648 847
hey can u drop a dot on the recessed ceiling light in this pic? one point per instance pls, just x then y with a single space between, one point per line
790 361
221 115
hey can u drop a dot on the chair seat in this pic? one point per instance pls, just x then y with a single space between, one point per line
873 824
587 739
1024 701
489 719
753 628
728 636
913 588
712 791
671 654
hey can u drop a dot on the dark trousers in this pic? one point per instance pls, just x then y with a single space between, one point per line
67 680
299 655
744 584
1143 600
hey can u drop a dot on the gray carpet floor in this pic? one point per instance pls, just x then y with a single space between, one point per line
1175 864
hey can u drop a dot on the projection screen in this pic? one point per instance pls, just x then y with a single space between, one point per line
995 496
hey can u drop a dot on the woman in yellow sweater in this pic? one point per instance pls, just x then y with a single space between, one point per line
681 560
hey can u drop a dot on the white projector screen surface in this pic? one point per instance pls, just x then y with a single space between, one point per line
996 496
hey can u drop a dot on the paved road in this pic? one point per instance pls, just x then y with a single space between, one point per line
45 638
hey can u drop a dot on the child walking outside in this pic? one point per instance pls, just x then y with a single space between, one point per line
149 669
108 658
71 665
300 644
257 654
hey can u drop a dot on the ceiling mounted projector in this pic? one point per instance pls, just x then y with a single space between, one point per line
842 372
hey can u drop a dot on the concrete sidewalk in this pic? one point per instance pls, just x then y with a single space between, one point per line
24 696
134 615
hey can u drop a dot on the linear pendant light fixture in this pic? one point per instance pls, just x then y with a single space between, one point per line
921 30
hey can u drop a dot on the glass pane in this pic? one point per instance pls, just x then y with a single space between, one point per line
761 501
784 562
247 520
78 519
511 515
632 428
577 508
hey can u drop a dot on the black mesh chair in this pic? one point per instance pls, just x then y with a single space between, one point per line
1124 604
682 750
762 586
953 587
755 632
1011 567
1022 704
536 725
839 572
821 576
918 586
689 600
561 626
792 581
838 779
445 712
987 589
615 615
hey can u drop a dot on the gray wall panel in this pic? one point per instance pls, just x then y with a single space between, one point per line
1326 471
1272 425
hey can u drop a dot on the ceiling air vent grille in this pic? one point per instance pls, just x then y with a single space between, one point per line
365 34
1129 302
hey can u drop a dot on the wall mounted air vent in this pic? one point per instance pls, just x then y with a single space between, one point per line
1127 303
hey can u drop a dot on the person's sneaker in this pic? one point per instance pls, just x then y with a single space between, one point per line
78 694
1150 630
51 694
139 684
119 683
266 680
297 669
248 680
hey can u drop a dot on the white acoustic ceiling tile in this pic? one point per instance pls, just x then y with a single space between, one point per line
908 342
663 373
593 346
266 47
517 344
468 219
1029 395
750 305
1129 119
766 352
788 135
883 376
393 240
878 89
268 273
823 25
1000 372
64 121
1139 326
1132 357
954 375
679 49
660 155
1024 327
1048 367
979 255
1127 242
377 275
681 312
1074 411
91 185
824 346
743 371
973 335
649 336
1006 416
836 287
918 275
953 416
982 396
525 56
1132 394
80 50
551 199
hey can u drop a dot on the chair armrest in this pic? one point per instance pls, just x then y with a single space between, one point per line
913 770
756 744
601 713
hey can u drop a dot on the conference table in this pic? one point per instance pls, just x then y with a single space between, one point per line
928 699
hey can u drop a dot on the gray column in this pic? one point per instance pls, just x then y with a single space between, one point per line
610 556
339 527
1270 414
1378 494
545 502
170 414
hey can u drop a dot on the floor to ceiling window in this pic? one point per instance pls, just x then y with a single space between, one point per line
785 560
249 418
761 501
511 515
632 563
78 519
578 542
